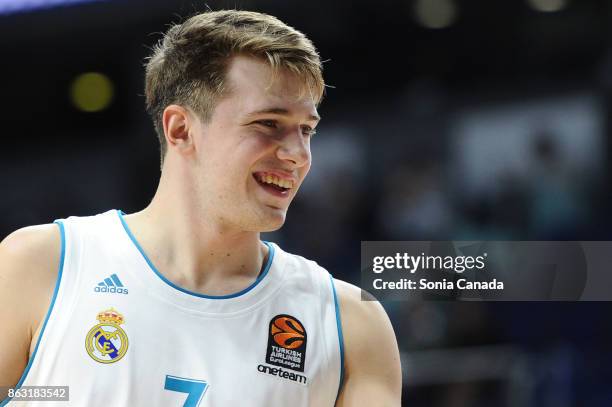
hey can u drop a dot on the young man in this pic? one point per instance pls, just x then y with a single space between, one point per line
181 304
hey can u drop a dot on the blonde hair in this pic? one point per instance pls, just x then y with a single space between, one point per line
188 65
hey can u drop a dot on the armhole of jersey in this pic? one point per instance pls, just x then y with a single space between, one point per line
51 304
340 336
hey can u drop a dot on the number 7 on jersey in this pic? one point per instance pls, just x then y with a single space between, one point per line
195 389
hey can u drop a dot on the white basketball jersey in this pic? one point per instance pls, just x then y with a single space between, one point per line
120 334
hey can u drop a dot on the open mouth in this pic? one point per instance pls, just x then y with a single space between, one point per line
273 184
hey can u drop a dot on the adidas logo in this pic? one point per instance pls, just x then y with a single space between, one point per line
111 284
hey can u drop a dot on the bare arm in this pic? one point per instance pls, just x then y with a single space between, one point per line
373 374
29 260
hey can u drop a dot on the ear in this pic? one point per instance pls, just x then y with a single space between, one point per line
177 122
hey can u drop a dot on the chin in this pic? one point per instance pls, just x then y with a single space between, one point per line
268 220
272 225
272 220
271 228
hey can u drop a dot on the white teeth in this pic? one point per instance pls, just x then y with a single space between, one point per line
272 179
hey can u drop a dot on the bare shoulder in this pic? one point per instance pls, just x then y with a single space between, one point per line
29 263
372 361
364 322
29 257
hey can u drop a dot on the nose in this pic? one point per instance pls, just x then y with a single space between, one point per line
294 148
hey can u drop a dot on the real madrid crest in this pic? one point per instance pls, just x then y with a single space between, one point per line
107 342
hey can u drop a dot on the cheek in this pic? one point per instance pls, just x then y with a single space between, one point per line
309 163
235 156
252 149
306 168
261 141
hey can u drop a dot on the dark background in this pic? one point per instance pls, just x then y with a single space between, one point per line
448 119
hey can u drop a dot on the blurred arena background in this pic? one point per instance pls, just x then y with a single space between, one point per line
448 119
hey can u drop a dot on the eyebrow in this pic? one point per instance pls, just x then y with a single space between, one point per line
281 111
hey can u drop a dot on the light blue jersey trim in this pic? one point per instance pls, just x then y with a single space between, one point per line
340 336
261 276
42 330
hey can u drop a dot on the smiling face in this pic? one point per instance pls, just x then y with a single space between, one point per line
252 156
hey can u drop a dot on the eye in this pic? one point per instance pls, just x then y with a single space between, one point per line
308 131
267 123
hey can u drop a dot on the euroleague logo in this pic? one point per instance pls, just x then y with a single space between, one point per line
287 332
286 343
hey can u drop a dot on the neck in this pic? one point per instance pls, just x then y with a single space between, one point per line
193 249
